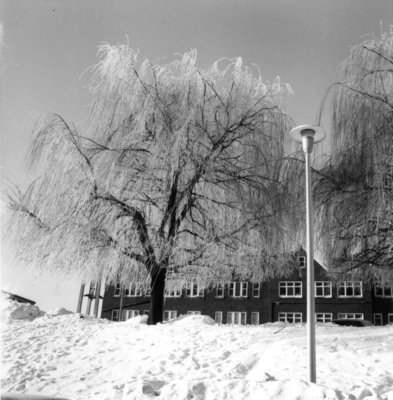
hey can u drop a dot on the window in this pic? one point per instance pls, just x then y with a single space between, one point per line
349 289
323 289
193 290
390 318
378 321
136 289
256 289
255 318
290 289
323 317
350 316
127 314
237 318
238 289
169 314
218 317
383 291
146 312
302 262
291 317
219 291
173 287
117 289
172 292
115 315
193 313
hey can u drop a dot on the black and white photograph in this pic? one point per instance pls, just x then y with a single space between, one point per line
196 199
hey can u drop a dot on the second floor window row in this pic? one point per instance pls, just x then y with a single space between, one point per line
135 289
241 290
238 289
290 289
194 290
323 289
383 291
349 289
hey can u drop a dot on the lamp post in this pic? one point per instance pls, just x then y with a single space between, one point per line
308 135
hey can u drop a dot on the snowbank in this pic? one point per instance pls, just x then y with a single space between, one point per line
59 311
193 358
139 320
192 320
11 309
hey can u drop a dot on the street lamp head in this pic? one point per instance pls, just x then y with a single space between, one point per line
307 135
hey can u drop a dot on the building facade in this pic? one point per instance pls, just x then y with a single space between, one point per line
248 303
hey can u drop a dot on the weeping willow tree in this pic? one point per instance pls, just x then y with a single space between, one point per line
181 171
356 201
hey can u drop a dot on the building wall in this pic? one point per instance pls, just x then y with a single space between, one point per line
274 304
269 304
209 304
382 305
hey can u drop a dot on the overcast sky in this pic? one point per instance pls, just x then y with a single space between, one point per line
48 44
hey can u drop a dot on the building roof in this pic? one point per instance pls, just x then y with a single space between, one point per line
17 298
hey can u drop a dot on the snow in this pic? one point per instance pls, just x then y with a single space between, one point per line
10 309
70 356
58 311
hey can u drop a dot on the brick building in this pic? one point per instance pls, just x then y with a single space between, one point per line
242 302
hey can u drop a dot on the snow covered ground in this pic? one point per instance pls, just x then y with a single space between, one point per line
61 354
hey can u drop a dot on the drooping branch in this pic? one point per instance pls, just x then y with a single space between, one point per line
178 166
140 224
356 205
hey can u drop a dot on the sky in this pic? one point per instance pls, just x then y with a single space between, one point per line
47 47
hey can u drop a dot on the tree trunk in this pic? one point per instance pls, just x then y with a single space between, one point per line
156 311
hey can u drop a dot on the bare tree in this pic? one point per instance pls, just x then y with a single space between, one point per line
356 193
181 170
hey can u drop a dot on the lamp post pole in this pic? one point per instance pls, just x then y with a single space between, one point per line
307 148
308 135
